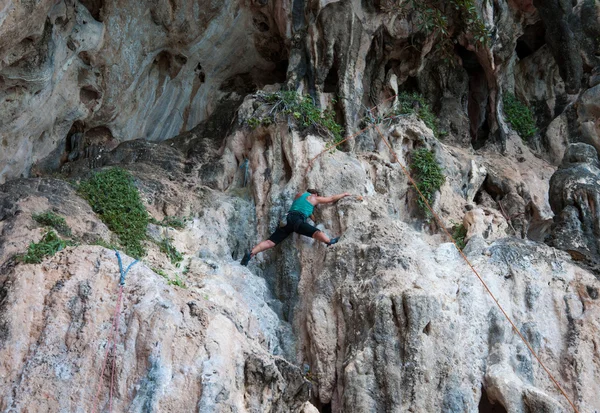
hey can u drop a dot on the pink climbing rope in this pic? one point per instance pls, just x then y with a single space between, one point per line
113 341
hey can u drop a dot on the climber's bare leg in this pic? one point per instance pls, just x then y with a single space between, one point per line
263 246
321 236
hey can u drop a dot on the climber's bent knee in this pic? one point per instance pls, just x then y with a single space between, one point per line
321 236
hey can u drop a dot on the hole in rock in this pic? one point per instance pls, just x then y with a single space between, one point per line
323 408
201 74
88 95
77 127
410 85
486 406
94 7
286 167
427 329
261 26
531 40
331 81
98 136
280 72
168 64
478 101
242 84
85 57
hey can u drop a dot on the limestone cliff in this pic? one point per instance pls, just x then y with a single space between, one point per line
195 100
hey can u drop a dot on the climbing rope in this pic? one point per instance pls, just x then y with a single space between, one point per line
113 338
440 223
244 166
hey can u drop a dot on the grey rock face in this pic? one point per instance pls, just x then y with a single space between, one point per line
562 27
574 197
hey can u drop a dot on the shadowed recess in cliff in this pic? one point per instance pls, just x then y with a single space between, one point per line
486 406
478 104
531 40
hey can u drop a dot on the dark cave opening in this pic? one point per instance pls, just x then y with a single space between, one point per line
77 127
532 39
478 99
410 85
332 80
323 408
94 7
486 406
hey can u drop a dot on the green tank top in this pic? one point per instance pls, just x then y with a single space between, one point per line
302 205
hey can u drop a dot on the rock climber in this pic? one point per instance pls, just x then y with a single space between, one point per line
302 208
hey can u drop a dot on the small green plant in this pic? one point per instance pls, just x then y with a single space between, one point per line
254 122
174 222
428 175
160 272
114 197
416 103
49 245
177 282
53 220
408 103
167 248
301 110
459 232
519 116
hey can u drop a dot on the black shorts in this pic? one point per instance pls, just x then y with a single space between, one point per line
295 223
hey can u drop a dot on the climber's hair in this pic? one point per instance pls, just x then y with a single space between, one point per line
313 191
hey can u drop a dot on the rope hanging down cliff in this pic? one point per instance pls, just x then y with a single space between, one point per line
113 338
440 223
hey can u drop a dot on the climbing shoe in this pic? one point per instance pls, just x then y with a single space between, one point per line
333 241
246 258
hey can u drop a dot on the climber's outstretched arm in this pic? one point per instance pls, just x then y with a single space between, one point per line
330 199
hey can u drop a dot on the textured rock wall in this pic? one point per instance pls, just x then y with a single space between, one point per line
78 77
123 70
388 319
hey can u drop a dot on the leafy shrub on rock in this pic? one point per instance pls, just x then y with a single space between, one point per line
428 175
49 245
519 116
114 197
50 219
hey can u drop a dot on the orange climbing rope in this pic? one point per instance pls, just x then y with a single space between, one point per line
440 223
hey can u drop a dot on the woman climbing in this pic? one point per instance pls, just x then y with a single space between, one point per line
302 208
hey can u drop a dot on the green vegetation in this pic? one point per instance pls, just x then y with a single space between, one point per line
114 197
300 109
173 222
415 103
459 232
408 103
53 220
167 248
428 176
519 116
432 16
49 245
177 281
102 243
